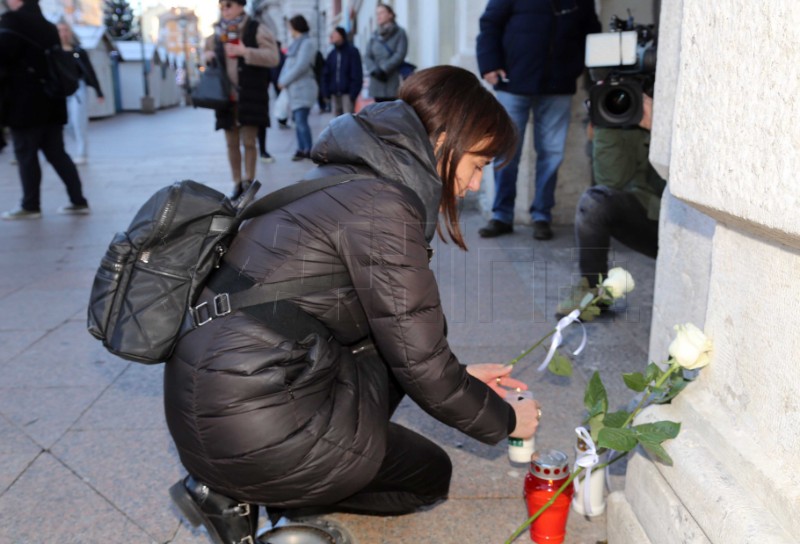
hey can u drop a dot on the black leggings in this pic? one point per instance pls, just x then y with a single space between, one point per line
415 472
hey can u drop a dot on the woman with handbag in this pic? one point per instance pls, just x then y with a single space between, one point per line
78 103
246 49
298 79
385 54
288 404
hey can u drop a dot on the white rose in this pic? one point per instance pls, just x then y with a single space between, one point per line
619 282
691 348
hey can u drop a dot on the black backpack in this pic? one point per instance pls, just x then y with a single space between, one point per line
63 74
145 290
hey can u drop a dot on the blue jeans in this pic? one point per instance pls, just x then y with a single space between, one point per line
551 115
300 118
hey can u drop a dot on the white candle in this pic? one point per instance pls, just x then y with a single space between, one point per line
597 488
521 449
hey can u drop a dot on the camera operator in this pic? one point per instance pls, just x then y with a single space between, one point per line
624 204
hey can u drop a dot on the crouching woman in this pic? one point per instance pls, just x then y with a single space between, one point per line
289 404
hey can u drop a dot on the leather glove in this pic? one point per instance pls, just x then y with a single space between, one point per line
379 74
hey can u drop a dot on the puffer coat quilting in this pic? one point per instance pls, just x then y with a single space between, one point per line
300 422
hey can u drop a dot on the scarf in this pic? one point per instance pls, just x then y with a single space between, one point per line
227 23
387 29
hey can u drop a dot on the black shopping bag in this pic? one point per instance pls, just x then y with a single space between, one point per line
212 90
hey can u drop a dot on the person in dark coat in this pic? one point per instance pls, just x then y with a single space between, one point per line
342 77
78 103
532 52
298 415
247 49
36 120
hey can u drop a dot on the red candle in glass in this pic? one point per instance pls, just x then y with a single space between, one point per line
549 470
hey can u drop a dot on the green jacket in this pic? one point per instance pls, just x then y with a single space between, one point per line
620 160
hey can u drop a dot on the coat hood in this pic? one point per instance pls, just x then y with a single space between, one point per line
389 139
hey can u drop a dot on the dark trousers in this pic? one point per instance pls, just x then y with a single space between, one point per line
415 472
604 213
262 140
50 140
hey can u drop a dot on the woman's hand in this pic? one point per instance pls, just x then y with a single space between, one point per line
528 413
497 377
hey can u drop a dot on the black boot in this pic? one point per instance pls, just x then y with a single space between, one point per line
227 520
240 188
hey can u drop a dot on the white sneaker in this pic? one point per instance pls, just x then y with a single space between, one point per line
79 160
20 213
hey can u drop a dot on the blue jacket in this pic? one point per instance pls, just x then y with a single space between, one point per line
342 73
541 52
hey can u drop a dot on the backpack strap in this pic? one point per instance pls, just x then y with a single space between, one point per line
234 290
290 193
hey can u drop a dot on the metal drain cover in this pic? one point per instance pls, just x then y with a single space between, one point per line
319 531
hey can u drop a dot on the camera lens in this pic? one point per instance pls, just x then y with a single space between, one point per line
618 102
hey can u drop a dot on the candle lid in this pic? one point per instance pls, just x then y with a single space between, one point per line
550 464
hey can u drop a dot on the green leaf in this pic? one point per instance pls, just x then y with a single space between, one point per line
560 365
596 425
621 440
616 419
589 313
653 373
598 409
657 432
657 451
635 381
595 395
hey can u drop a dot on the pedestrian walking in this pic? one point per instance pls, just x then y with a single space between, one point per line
297 77
261 14
342 77
289 406
386 51
78 103
36 119
247 49
532 52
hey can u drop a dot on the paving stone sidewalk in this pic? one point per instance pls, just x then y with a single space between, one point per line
85 456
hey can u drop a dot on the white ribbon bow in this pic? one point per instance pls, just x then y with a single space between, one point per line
562 324
588 460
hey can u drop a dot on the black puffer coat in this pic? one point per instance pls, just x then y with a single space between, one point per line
300 421
22 67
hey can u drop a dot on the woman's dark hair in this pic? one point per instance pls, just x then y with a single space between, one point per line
299 23
388 8
453 101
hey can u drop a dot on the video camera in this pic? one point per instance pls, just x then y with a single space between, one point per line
622 62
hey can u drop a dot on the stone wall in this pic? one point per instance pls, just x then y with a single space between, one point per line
726 133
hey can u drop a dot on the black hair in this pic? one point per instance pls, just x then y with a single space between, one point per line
299 23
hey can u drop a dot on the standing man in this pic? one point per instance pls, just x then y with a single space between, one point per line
342 77
532 52
36 120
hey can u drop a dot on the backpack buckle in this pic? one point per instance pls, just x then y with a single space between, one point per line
222 304
203 312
